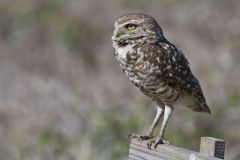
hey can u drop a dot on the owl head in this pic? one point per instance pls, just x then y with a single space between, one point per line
136 26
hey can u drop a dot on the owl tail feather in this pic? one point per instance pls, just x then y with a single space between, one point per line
201 108
206 109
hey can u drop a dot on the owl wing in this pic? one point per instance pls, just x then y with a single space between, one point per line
177 73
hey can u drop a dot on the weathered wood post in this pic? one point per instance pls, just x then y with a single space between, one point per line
210 149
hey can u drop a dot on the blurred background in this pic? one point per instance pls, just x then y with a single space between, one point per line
63 95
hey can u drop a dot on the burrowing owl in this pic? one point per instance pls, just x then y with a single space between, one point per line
157 67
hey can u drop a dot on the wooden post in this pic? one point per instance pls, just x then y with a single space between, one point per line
212 147
138 151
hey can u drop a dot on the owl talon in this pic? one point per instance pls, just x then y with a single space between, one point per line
160 141
133 135
150 143
140 138
156 143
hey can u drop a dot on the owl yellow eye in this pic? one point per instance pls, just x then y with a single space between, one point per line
131 26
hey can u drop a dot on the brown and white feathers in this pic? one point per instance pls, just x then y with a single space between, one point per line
155 65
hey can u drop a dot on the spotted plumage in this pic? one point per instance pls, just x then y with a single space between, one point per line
157 67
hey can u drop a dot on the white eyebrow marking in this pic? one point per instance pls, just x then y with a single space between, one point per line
131 21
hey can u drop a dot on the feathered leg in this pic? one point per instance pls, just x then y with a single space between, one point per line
155 121
167 114
153 126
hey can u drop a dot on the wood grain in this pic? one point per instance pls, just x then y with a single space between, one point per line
139 151
212 147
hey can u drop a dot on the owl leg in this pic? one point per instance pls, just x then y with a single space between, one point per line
153 126
167 114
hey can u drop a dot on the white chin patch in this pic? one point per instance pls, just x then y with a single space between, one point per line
122 51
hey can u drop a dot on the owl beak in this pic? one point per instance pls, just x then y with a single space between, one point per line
117 34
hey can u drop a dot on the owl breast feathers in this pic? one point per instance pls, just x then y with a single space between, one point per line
155 65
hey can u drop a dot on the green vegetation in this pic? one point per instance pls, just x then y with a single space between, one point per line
112 131
50 138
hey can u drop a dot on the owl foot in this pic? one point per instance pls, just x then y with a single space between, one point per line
140 137
146 137
133 135
156 142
